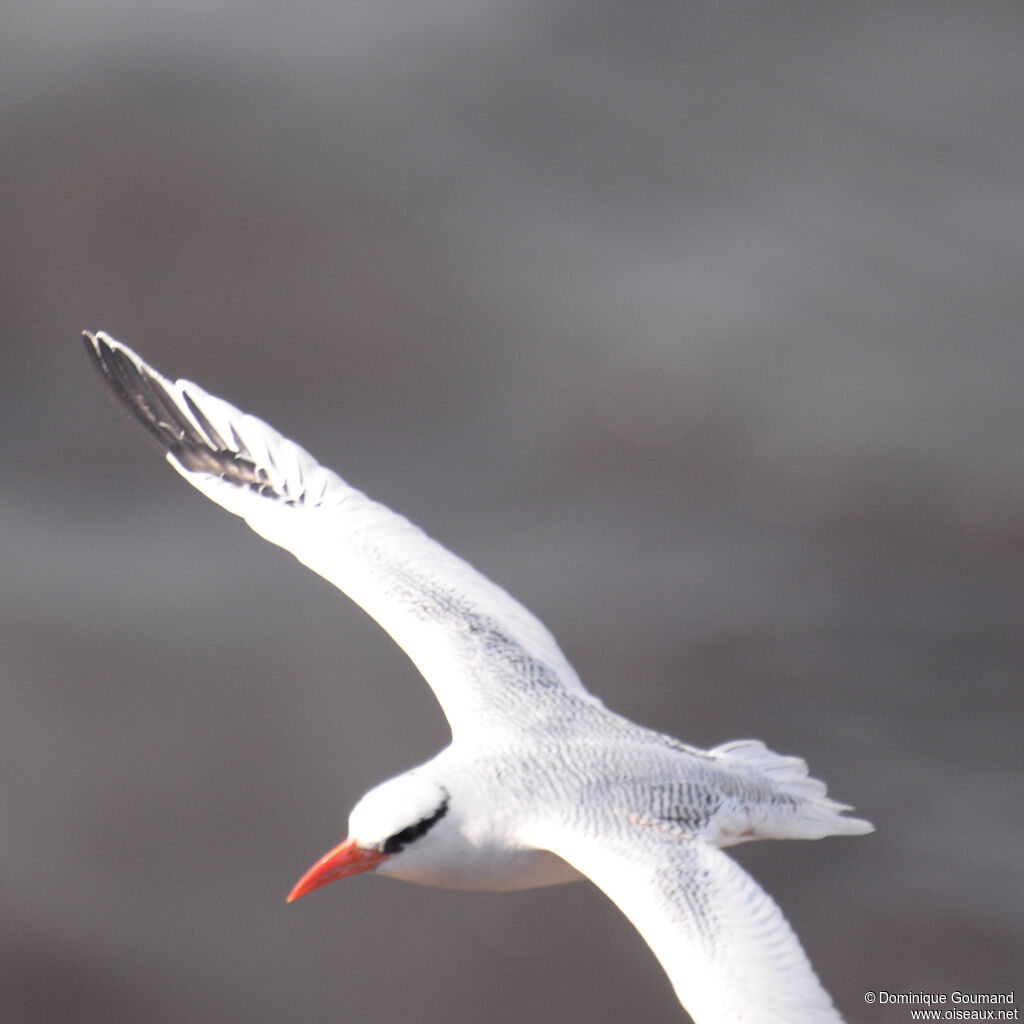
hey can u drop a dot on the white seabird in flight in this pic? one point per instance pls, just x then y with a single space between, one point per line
541 784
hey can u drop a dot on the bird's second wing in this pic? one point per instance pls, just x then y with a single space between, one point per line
480 650
725 945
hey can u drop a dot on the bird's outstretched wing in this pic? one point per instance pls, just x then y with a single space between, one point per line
725 945
483 653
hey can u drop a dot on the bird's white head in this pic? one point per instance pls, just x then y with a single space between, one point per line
390 818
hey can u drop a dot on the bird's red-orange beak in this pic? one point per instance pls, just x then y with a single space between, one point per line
345 859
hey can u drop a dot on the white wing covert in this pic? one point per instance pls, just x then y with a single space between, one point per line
727 948
479 649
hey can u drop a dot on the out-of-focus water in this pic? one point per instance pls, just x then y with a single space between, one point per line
698 328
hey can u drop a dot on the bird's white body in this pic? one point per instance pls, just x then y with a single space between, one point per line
474 851
541 783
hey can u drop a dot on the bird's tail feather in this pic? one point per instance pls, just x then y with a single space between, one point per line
812 814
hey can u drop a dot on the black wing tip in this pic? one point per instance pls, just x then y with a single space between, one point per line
100 347
150 399
137 387
93 343
109 357
98 342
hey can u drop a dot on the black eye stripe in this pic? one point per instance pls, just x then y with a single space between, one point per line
402 839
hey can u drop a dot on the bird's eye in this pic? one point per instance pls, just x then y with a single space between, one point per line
402 839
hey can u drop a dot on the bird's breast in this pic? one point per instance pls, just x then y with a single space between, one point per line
480 866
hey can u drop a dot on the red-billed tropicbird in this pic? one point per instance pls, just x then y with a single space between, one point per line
541 784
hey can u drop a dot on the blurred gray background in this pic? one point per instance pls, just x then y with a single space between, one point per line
698 327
